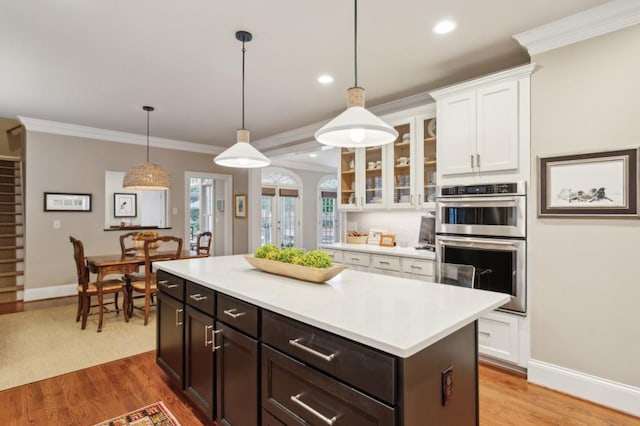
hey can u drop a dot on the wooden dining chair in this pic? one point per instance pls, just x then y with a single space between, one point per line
203 244
149 285
86 288
126 244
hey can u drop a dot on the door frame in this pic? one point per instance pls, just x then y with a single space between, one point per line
227 181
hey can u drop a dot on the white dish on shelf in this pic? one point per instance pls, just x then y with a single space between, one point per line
431 128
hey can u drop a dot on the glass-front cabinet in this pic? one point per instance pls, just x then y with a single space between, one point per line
400 175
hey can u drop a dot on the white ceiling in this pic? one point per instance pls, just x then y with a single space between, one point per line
95 63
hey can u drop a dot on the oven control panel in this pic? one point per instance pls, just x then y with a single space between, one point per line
513 188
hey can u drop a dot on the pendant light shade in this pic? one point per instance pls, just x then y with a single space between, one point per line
242 154
147 176
356 127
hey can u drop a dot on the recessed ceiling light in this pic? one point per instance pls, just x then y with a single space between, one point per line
313 155
325 79
444 27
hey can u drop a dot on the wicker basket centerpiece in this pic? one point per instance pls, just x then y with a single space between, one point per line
140 238
292 262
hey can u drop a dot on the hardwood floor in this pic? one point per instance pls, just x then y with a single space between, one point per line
99 393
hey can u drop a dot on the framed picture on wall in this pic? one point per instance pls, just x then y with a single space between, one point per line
589 184
66 202
124 205
240 206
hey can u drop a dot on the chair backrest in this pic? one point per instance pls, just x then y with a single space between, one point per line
124 248
81 263
203 245
171 253
455 274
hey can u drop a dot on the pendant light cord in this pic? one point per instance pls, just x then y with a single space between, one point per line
355 41
148 136
243 50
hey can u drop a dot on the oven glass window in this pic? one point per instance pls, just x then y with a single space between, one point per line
504 216
495 269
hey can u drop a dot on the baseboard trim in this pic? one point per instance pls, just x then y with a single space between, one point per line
592 388
31 294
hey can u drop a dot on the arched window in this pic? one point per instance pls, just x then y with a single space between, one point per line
280 208
329 223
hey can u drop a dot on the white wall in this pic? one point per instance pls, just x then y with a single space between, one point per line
585 282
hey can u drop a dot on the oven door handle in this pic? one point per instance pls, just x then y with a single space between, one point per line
464 243
479 202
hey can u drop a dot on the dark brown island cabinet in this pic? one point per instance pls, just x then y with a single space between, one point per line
244 365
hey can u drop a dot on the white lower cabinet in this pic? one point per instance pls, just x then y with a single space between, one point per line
498 336
418 268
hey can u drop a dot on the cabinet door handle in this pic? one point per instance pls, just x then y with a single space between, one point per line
213 339
415 267
329 421
383 262
478 160
178 322
472 166
486 333
165 284
296 343
411 199
197 297
233 313
419 199
206 330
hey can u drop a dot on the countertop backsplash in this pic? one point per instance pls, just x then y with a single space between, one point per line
404 224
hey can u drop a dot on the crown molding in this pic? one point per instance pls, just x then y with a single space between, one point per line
58 128
600 20
300 165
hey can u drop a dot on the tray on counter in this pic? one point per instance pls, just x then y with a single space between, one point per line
305 273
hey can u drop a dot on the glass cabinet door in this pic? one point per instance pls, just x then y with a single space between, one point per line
401 162
347 198
373 177
428 192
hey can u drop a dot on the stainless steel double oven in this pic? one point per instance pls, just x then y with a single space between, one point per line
485 226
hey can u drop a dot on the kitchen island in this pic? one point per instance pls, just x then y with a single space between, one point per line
362 348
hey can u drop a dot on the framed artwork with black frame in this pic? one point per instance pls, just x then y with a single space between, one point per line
589 184
125 204
66 202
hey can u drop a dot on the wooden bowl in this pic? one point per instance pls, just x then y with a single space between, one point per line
304 273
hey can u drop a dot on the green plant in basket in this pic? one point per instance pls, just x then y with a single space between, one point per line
267 251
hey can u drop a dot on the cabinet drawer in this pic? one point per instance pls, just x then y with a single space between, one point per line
171 285
241 315
294 391
366 369
498 336
389 263
356 258
418 266
201 298
336 255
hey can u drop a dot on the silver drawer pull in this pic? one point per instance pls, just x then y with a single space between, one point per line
416 267
165 284
178 322
206 330
383 262
329 421
356 258
486 333
233 313
297 344
197 297
213 339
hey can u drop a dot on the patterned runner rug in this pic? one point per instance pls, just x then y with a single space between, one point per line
152 415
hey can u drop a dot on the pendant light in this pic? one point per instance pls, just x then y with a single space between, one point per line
147 176
356 127
242 154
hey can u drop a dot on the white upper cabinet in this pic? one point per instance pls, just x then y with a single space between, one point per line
483 124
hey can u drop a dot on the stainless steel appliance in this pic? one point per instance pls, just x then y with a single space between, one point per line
485 226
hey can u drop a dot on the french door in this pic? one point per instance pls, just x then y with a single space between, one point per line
280 222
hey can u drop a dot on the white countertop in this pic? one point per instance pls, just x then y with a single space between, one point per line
396 315
391 251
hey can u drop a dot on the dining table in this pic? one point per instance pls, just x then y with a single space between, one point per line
110 264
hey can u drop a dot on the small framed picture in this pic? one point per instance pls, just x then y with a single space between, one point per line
124 205
589 184
240 206
387 240
70 202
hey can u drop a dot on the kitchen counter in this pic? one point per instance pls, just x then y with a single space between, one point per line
395 315
391 251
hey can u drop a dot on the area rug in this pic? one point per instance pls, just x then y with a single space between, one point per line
152 415
44 343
